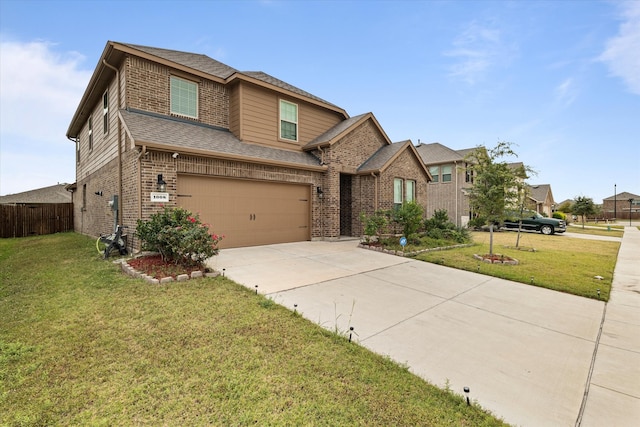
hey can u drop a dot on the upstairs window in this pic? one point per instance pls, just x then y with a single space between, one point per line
397 192
410 193
446 173
90 133
435 173
288 121
468 175
105 112
184 97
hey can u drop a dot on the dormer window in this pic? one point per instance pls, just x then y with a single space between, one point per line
288 121
184 97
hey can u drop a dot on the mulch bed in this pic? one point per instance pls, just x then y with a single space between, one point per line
154 266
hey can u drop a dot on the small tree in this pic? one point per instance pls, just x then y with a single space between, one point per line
583 206
495 184
409 217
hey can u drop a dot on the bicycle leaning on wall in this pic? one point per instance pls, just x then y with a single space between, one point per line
107 243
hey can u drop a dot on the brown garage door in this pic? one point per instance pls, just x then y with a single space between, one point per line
248 213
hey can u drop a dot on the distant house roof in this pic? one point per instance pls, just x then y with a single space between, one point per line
436 153
539 192
53 194
173 134
623 196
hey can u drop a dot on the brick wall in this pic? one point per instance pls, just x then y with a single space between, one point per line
148 89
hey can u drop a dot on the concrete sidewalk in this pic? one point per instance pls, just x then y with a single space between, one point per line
613 394
526 353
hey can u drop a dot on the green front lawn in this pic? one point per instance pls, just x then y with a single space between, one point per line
82 344
559 262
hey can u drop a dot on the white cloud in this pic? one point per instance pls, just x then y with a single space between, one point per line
622 51
566 92
476 49
39 91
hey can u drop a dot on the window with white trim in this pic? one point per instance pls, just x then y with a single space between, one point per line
184 97
105 112
288 120
90 133
410 190
435 173
398 187
446 173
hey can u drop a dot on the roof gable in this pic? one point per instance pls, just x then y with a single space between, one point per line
623 196
539 192
387 154
337 132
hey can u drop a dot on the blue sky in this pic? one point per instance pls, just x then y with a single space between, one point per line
559 79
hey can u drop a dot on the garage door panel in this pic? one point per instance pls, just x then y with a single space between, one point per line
247 212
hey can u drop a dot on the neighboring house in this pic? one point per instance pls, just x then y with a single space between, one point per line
52 194
41 211
619 207
259 159
450 179
541 199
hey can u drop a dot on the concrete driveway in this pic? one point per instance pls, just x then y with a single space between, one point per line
524 352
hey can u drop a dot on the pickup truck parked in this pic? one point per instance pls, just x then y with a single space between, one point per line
533 221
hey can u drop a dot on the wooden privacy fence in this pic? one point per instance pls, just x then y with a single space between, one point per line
32 219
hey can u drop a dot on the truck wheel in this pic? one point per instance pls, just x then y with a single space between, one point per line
546 229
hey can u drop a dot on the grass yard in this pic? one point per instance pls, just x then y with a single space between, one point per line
559 262
82 344
615 231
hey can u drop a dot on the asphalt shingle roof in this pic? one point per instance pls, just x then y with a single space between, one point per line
539 192
326 137
381 157
176 133
192 60
436 153
53 194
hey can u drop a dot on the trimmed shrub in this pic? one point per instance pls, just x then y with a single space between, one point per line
179 236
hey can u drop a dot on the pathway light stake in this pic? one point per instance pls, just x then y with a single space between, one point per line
256 289
295 308
466 392
350 332
478 267
223 270
598 293
532 280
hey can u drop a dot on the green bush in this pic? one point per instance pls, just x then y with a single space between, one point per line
560 215
409 217
374 225
440 219
179 236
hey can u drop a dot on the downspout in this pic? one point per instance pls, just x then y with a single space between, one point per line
120 202
142 153
455 166
72 198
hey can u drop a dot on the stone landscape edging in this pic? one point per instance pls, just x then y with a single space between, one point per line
130 271
410 253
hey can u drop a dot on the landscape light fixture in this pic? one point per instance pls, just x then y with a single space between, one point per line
161 185
466 392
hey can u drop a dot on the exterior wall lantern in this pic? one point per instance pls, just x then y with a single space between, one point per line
161 185
320 192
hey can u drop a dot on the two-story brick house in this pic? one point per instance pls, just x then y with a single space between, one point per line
451 178
260 160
